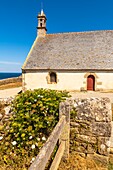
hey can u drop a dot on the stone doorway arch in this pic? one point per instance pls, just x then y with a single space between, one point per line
91 83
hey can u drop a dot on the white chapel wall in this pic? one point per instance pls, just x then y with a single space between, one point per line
67 81
106 80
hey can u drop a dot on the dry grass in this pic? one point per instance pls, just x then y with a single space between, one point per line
11 85
77 162
107 91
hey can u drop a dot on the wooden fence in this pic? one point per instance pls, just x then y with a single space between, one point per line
61 134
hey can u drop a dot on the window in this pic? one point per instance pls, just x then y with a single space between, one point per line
53 77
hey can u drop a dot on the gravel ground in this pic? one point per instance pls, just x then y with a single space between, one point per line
90 94
13 91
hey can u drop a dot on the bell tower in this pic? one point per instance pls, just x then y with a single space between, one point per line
41 29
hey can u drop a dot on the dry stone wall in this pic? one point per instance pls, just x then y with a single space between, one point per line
5 110
91 127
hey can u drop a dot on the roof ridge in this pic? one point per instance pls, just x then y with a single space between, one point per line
82 32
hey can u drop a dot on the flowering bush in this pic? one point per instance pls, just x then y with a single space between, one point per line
35 113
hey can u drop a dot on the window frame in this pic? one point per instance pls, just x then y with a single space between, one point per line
49 78
53 77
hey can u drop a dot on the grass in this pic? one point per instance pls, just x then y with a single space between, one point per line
110 166
107 91
11 85
77 162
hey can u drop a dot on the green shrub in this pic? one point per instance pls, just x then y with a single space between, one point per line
35 115
110 166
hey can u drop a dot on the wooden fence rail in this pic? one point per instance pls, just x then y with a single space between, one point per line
61 133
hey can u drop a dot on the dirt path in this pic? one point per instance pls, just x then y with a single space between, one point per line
9 92
13 91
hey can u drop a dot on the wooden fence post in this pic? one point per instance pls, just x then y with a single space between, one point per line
64 109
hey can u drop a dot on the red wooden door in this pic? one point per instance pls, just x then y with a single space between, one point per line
91 83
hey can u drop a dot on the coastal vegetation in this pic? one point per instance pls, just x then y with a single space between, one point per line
10 83
33 116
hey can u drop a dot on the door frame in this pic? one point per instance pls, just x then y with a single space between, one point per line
85 79
93 79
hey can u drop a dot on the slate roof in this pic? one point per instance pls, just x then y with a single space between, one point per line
72 51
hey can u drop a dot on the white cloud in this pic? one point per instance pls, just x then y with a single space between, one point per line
10 63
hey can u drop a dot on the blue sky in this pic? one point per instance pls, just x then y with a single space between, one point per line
18 22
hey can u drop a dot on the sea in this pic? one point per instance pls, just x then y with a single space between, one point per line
9 75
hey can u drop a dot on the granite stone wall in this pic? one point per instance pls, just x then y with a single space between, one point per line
5 110
91 128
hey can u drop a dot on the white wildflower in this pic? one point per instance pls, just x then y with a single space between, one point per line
32 160
36 144
30 137
35 100
1 137
43 138
38 139
38 95
75 105
14 143
33 146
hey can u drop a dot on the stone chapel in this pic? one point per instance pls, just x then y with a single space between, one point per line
79 61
